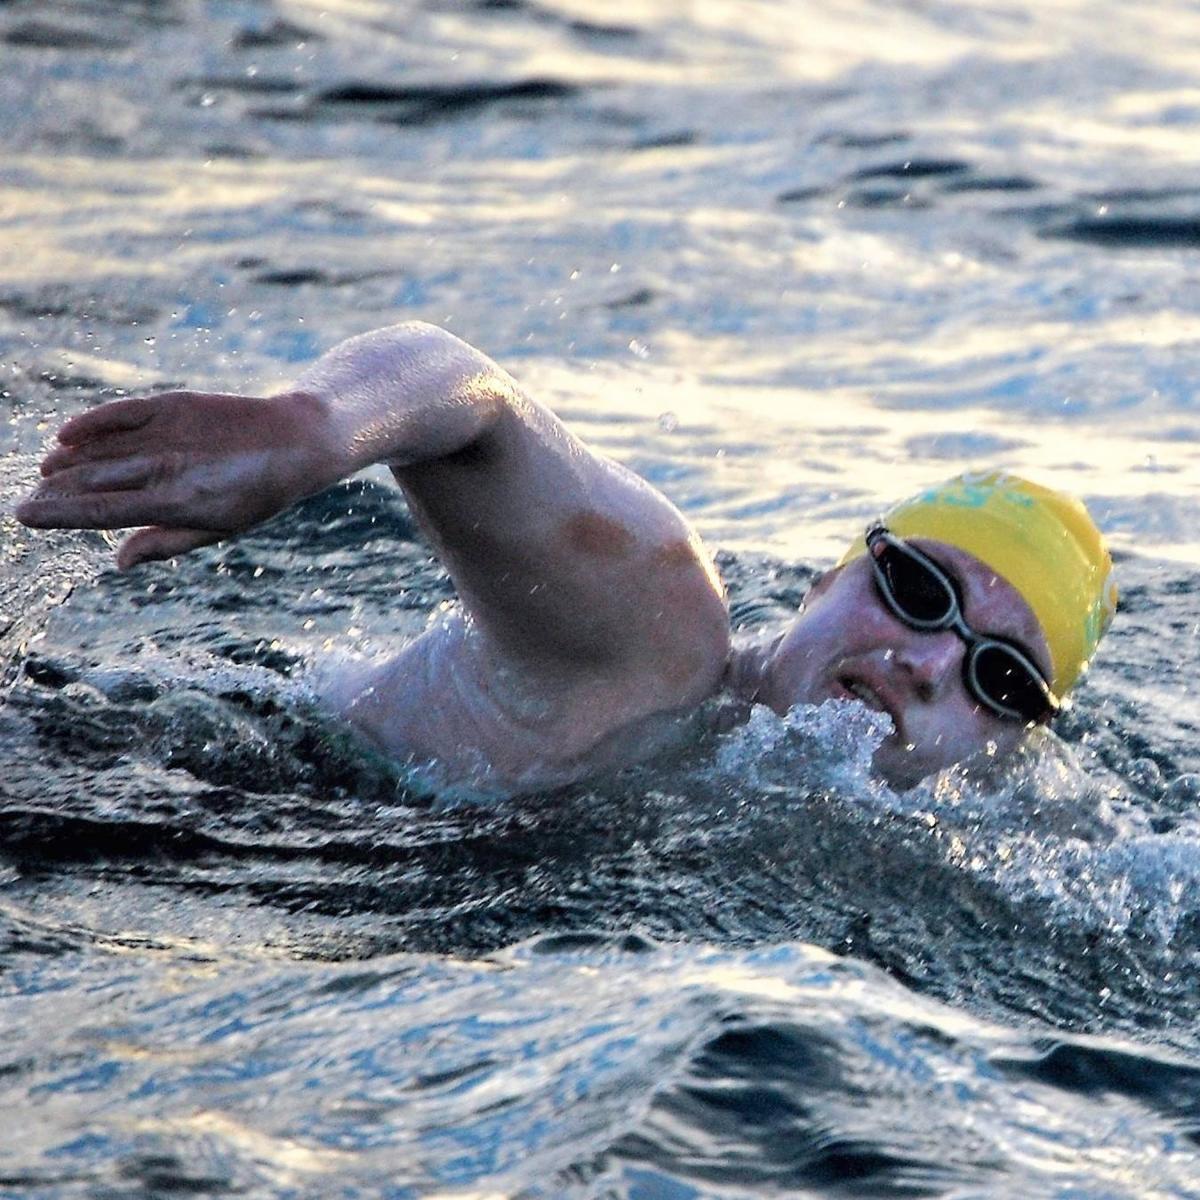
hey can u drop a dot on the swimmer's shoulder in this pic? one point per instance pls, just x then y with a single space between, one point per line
450 703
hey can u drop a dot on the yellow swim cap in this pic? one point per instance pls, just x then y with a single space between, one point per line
1041 541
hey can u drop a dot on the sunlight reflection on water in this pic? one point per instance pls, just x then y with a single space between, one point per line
790 268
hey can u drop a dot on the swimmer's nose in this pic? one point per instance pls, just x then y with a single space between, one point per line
930 661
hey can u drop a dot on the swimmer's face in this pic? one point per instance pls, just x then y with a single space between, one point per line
847 644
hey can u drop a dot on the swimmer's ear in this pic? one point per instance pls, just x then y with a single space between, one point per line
153 543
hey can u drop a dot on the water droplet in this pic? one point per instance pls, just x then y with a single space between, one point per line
150 341
207 100
668 422
1184 791
1145 774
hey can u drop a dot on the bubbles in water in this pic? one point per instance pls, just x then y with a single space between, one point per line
1145 775
1184 792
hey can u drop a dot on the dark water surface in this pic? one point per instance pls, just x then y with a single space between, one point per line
788 262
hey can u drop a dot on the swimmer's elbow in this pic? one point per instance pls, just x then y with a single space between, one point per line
407 394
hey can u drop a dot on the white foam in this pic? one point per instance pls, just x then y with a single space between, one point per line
829 745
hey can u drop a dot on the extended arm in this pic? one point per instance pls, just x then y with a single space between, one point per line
562 557
196 467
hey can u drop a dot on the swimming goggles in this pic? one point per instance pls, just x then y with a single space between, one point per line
997 673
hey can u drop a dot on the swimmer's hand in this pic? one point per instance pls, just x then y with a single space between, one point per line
191 468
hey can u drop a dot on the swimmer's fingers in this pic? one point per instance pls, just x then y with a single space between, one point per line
105 495
182 460
52 508
105 475
114 445
117 417
155 543
125 427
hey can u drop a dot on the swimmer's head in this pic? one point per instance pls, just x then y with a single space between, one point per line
1032 582
1041 541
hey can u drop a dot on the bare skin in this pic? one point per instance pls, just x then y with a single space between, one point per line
591 614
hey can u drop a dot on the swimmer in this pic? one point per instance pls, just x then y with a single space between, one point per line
591 617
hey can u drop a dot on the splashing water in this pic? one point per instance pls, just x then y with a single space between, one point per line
786 270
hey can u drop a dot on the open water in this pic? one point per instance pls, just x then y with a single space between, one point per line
787 260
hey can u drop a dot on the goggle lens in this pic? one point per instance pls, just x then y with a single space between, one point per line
922 595
1005 680
915 590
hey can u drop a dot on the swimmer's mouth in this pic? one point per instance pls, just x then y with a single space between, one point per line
858 689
